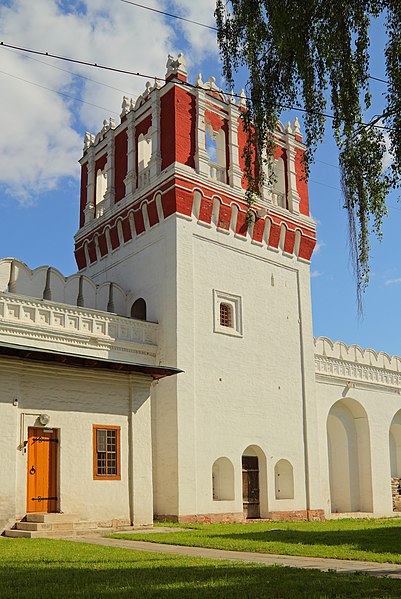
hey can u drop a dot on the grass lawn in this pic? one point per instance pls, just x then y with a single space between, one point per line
370 540
50 569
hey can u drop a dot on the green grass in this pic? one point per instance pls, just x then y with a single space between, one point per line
50 569
376 540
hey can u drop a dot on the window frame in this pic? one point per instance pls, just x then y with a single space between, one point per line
235 303
96 476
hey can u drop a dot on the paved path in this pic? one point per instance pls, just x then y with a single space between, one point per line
268 559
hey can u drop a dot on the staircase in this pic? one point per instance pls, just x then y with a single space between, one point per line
47 526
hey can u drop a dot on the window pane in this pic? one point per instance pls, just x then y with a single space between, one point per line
101 439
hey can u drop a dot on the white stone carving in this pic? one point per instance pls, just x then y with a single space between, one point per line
175 67
242 99
75 330
125 106
338 360
296 127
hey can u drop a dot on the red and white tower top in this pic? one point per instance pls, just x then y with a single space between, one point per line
178 149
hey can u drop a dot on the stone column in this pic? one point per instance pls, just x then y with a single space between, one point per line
293 195
156 158
235 173
130 179
201 156
90 190
109 196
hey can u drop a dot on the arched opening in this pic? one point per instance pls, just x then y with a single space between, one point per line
395 460
284 480
144 156
348 440
138 309
254 483
101 188
226 315
216 150
223 480
279 190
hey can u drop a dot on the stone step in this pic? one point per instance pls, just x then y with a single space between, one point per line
56 534
46 526
44 517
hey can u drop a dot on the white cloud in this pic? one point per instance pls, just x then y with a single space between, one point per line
392 281
319 245
314 274
42 132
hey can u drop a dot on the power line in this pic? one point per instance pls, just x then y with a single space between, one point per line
173 16
167 14
137 74
53 66
57 92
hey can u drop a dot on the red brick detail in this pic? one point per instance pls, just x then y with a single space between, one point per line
179 76
258 229
139 223
298 515
206 210
83 194
152 213
302 185
185 114
242 226
102 244
120 164
168 203
127 233
214 119
177 136
306 247
274 236
80 258
183 201
241 145
289 241
115 241
228 518
167 128
224 217
92 251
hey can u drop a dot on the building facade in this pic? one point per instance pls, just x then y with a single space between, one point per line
264 421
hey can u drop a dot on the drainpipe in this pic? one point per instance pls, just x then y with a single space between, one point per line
130 452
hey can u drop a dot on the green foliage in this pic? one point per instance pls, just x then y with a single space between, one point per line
360 539
317 52
42 569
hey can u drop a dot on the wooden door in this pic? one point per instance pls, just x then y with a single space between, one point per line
42 470
250 486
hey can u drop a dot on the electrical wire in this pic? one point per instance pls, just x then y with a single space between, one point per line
167 14
58 92
138 74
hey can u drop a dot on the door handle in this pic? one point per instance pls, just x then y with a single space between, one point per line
32 470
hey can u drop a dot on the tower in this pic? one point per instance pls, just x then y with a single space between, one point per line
163 214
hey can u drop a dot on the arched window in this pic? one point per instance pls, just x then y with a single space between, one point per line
284 480
138 309
223 480
226 315
101 186
144 156
216 150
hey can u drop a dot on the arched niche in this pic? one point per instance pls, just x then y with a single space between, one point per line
284 480
395 460
348 439
254 482
223 480
138 309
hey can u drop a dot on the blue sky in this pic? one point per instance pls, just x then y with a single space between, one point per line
42 136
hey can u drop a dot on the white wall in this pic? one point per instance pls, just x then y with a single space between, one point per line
76 399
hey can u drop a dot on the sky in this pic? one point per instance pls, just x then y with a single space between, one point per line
47 105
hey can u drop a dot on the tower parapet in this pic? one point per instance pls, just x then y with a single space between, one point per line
178 149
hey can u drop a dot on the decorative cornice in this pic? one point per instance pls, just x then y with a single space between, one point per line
79 331
346 363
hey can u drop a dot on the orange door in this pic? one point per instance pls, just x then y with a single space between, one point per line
42 470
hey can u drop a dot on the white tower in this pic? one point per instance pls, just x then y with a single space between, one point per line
163 214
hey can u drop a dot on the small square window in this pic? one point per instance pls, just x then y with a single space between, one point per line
227 313
106 452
